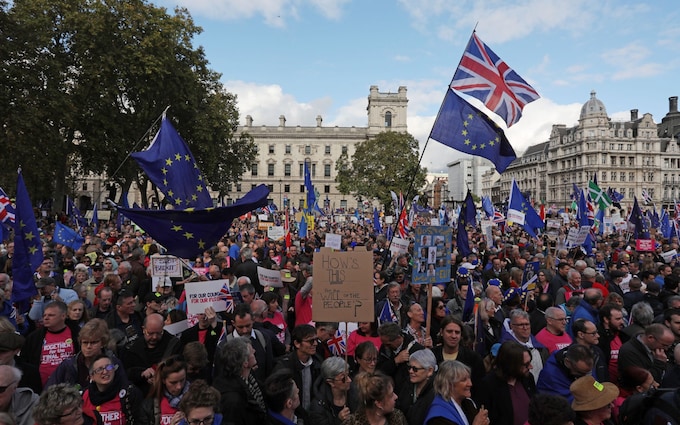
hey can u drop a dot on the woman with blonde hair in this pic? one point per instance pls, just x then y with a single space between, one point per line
452 404
377 402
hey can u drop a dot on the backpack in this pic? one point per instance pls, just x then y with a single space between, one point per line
652 407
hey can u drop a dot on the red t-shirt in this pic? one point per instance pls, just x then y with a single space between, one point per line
110 411
57 347
167 411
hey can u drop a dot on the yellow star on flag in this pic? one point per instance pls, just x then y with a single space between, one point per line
168 161
177 228
178 157
201 244
188 235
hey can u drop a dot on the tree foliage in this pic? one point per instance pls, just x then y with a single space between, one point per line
83 82
387 162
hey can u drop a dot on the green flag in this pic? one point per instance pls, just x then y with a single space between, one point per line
598 195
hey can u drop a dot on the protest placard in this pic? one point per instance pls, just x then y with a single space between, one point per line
343 286
399 245
333 240
645 245
269 277
264 225
166 265
668 256
432 253
276 233
177 327
208 293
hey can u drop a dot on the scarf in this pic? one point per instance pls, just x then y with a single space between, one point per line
174 400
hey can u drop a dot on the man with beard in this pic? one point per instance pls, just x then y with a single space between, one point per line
611 337
141 359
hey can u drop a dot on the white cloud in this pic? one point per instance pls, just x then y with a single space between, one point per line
499 20
630 62
265 103
402 58
275 13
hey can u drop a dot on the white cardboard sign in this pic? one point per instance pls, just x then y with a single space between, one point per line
208 293
333 240
166 265
269 277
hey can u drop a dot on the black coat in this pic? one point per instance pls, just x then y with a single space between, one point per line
237 405
398 372
494 394
291 361
415 412
139 357
211 338
467 357
249 268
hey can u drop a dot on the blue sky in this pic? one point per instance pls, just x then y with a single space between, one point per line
303 58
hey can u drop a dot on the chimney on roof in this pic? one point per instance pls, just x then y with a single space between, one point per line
673 104
633 114
282 121
319 120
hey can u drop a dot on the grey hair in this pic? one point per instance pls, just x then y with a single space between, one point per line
520 314
426 358
450 372
642 314
234 353
332 367
54 402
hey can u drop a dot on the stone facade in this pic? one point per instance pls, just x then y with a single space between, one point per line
627 156
283 150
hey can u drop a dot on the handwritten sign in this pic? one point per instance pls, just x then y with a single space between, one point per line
269 277
578 236
432 252
209 293
343 289
166 265
276 233
264 225
334 241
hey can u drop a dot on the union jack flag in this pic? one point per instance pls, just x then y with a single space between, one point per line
483 75
498 216
6 209
225 294
402 225
337 344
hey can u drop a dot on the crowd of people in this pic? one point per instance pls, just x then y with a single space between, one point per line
95 346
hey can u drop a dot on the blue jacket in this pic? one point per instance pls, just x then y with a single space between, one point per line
583 311
555 378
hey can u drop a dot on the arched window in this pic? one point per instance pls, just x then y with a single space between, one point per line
388 119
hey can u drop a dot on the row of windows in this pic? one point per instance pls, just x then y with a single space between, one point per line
286 188
308 149
287 170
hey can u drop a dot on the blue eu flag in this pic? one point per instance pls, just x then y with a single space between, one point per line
467 129
521 212
67 236
187 233
641 230
28 254
171 167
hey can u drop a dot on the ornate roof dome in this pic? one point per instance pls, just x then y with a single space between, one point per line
593 107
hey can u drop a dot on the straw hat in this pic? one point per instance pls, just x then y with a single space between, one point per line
592 395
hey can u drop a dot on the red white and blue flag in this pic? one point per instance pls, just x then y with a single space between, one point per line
225 294
484 76
337 344
7 214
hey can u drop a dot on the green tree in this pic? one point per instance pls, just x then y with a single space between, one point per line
86 81
387 162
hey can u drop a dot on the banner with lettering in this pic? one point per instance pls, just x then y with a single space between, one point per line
432 254
343 286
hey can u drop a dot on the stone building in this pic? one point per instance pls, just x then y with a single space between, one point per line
629 156
284 149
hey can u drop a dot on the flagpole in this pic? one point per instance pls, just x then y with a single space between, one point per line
144 136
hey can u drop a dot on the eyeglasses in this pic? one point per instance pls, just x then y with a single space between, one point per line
311 341
76 412
414 368
370 360
205 421
4 387
108 368
520 325
343 379
591 333
559 319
